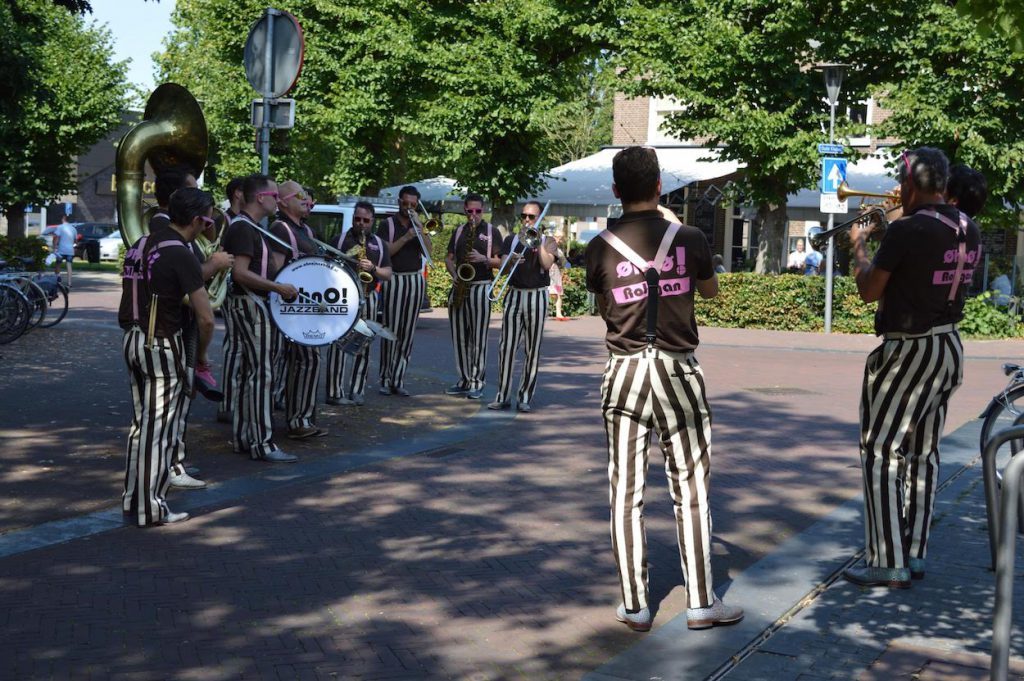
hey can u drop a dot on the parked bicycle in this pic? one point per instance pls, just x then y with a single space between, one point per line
14 313
46 293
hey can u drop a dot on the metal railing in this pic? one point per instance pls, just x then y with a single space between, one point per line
1005 550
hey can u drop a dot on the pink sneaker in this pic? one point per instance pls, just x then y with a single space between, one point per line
206 384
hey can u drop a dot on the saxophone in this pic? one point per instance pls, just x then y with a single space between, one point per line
359 253
464 270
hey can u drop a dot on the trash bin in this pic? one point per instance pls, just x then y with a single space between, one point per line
92 251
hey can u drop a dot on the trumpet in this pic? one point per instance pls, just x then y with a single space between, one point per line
418 231
531 239
820 240
844 191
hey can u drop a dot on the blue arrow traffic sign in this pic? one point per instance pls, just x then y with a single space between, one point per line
830 149
833 174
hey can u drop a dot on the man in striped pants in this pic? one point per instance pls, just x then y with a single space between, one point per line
249 321
652 382
229 359
375 263
159 270
402 296
525 309
475 247
919 274
296 366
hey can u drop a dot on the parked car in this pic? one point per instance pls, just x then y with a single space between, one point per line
90 232
332 221
110 246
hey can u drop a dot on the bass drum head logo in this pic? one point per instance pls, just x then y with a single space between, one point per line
327 305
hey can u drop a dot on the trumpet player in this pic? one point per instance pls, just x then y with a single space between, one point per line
919 276
374 266
525 307
408 247
296 366
474 251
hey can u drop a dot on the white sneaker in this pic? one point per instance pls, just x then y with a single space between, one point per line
277 456
172 518
186 481
715 615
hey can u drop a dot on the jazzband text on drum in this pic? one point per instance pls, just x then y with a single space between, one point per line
312 309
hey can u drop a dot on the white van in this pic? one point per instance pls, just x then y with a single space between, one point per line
332 221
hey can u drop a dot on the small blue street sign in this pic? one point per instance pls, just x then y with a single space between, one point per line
830 149
67 208
833 174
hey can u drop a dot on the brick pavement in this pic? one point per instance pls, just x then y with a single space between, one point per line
484 559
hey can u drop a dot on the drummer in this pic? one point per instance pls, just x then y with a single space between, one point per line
296 366
372 258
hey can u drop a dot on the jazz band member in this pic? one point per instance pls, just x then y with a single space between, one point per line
524 310
229 364
296 366
475 249
247 318
652 382
168 181
158 272
919 276
375 263
402 296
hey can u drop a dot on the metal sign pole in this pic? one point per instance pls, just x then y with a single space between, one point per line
268 91
830 250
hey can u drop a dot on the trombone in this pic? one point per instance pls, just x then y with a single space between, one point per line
417 229
531 239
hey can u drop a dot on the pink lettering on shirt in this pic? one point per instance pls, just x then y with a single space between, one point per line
945 277
631 293
677 264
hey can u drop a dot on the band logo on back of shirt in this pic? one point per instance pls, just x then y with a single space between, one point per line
632 293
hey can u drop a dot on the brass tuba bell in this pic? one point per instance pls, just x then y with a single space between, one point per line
172 132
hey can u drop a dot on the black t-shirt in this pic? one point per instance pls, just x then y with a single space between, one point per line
291 232
409 257
920 252
169 270
376 251
242 238
623 286
529 274
486 241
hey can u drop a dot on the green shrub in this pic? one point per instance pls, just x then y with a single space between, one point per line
12 248
984 319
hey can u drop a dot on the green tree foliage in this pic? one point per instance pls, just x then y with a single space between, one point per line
742 68
1002 18
959 90
392 90
61 94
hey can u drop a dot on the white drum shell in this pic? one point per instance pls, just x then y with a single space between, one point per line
328 305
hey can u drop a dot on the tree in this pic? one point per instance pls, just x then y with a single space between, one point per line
960 90
392 90
65 94
1002 18
742 71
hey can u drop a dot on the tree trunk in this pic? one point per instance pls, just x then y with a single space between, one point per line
772 222
15 220
503 216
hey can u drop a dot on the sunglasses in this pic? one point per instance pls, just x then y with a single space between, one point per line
528 216
302 196
362 220
207 221
474 211
260 195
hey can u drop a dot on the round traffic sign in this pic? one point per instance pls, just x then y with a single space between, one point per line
287 49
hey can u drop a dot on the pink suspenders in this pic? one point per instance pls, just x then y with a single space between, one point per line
961 256
489 237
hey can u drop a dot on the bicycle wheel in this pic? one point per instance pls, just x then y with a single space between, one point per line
14 313
37 300
1003 412
58 306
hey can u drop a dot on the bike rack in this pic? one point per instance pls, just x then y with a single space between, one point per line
1004 557
988 468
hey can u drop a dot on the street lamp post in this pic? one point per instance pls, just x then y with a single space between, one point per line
833 81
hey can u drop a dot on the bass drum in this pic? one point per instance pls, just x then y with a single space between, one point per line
328 303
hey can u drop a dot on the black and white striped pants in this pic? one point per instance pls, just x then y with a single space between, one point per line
358 366
157 382
522 321
279 362
229 363
302 371
400 299
664 392
906 391
469 324
252 428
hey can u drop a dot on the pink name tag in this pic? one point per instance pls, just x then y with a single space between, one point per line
632 293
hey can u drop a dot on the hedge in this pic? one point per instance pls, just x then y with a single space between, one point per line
11 248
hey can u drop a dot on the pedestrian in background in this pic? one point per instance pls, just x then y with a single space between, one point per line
64 237
556 289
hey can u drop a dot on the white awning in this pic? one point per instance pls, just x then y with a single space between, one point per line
434 189
588 181
869 174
